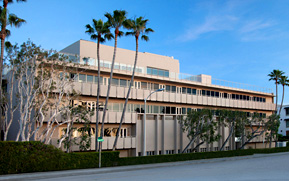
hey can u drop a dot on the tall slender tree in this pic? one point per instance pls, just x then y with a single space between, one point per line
275 76
137 27
115 21
284 81
98 31
6 19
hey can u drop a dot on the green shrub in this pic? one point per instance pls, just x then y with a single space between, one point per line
22 157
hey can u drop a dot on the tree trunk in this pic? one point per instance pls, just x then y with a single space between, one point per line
97 100
276 95
1 71
109 85
198 145
282 100
127 96
229 136
190 143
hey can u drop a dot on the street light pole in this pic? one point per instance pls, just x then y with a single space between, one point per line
144 122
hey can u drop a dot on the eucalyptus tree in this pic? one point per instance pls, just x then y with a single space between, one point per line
98 31
6 19
138 28
275 75
284 81
115 21
200 125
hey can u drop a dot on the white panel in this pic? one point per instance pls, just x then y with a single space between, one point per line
120 92
86 88
184 98
112 91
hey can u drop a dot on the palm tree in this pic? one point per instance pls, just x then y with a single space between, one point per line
6 19
275 76
115 21
137 27
284 81
96 32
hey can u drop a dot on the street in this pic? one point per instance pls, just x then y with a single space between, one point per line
259 167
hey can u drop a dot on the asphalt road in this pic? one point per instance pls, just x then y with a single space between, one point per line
258 167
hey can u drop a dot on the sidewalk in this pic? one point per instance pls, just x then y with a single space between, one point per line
56 174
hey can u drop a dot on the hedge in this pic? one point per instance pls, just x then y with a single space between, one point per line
22 157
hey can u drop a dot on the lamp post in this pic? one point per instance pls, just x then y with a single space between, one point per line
144 121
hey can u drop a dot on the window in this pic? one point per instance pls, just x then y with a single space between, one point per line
158 72
122 82
114 82
203 92
225 95
168 88
189 91
173 89
184 90
287 111
194 91
96 79
287 123
144 85
89 78
82 78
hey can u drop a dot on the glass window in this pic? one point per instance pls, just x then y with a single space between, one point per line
173 89
115 107
212 93
237 96
203 92
258 99
156 86
168 110
189 110
168 88
122 82
233 96
264 100
217 94
189 91
194 91
208 93
96 78
89 78
184 110
144 85
225 95
287 111
82 78
162 109
287 123
114 82
167 74
155 109
149 70
184 90
155 71
173 110
161 73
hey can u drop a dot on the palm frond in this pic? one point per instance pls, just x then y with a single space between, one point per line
145 38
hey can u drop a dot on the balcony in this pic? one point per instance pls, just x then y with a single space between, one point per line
140 94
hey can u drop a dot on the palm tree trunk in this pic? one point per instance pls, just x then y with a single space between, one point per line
276 95
109 85
127 96
190 143
97 100
1 71
282 100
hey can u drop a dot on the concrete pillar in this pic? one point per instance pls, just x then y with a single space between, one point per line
157 135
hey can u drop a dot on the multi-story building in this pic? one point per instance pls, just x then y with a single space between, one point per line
284 120
183 92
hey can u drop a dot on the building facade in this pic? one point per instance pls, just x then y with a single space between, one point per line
284 120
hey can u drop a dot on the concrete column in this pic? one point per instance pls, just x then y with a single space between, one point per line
163 134
157 134
176 134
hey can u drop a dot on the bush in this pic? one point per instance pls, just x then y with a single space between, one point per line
22 157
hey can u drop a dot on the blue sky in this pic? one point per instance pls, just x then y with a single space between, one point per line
235 40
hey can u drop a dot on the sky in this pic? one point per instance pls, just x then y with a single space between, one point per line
233 40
